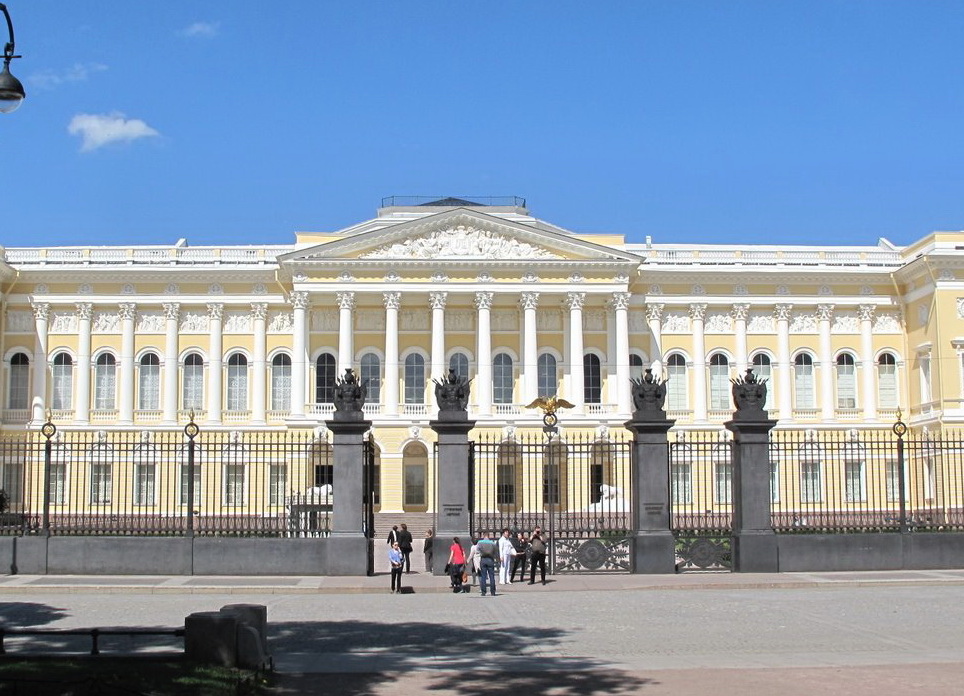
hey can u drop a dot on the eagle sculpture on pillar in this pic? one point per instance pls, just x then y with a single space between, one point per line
550 404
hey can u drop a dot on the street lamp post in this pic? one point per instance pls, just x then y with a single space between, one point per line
11 91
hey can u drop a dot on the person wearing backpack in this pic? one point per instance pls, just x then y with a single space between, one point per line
538 546
488 551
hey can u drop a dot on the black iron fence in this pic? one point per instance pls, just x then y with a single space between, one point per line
166 484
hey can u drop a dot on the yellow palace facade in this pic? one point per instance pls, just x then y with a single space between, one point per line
252 338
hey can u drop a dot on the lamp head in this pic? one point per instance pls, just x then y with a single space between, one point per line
11 90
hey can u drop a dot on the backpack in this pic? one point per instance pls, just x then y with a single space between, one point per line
488 549
538 545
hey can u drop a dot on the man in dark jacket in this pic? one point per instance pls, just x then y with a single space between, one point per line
405 544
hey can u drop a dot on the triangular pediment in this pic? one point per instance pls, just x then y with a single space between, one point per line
461 235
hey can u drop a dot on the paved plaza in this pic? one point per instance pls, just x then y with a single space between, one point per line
840 633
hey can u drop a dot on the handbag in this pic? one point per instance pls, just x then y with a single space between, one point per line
447 568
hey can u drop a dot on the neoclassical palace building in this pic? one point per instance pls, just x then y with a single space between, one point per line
253 337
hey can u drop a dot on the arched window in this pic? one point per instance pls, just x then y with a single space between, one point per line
676 387
415 494
149 383
459 364
502 379
281 382
18 395
763 370
803 381
636 368
592 378
414 379
846 381
325 372
548 380
887 381
719 382
192 384
371 376
237 383
105 381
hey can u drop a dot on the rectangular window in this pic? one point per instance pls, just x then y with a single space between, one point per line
13 482
149 395
145 480
415 485
183 475
893 482
277 483
774 482
58 482
100 482
681 483
925 378
233 484
854 482
19 387
724 484
810 484
802 385
505 484
550 484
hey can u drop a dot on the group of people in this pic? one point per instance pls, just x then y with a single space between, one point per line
511 553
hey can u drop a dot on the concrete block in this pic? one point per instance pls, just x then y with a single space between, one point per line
654 553
211 637
241 556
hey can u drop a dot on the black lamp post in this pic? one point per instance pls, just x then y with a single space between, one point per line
11 91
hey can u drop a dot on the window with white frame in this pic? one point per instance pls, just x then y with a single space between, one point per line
11 478
192 382
507 469
681 474
676 387
636 369
184 475
415 458
846 381
149 383
719 382
502 379
100 465
325 373
281 382
723 473
803 397
145 474
233 475
414 379
62 386
774 480
59 461
763 369
105 382
237 383
592 378
18 393
459 364
887 381
854 483
277 483
893 481
548 379
810 457
371 377
930 478
924 363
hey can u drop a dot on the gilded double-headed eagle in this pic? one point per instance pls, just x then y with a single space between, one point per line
550 404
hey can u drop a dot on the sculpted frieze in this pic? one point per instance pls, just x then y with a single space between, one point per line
802 322
719 322
887 323
459 321
370 320
324 320
237 322
760 322
504 320
195 322
63 322
845 322
106 322
594 320
413 319
151 322
460 242
20 322
280 322
675 322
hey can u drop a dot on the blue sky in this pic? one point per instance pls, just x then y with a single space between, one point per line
230 121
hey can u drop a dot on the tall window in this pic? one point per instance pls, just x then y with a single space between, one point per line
63 382
502 379
924 361
322 464
554 467
184 475
723 473
149 387
414 379
105 381
415 470
719 382
592 378
846 381
548 379
676 399
281 382
600 469
192 383
893 481
60 458
19 394
811 483
886 381
803 381
636 368
277 483
774 480
762 369
325 372
506 473
145 474
100 461
459 364
371 377
237 383
681 474
233 474
854 482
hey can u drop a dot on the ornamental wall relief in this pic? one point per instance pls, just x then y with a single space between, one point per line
594 320
63 322
194 322
413 319
675 322
151 322
549 320
459 320
280 322
845 322
237 322
369 320
324 320
760 322
460 242
718 322
106 322
504 320
637 322
887 323
20 322
803 323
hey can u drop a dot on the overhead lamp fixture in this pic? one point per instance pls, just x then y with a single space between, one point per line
11 91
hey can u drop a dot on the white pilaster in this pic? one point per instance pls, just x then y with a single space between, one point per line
698 317
739 314
215 362
346 351
128 313
620 303
299 357
436 301
530 347
825 356
85 311
172 314
577 389
483 382
866 315
41 313
785 404
654 317
393 301
259 367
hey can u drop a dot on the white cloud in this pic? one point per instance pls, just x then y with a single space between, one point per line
79 72
203 29
98 130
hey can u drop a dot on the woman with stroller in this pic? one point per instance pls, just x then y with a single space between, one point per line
456 564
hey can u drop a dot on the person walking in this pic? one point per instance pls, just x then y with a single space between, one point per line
392 536
456 564
488 551
428 550
538 545
405 544
472 565
395 559
506 556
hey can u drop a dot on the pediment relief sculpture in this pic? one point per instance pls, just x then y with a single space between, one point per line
461 242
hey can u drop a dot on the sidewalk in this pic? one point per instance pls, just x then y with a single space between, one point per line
422 583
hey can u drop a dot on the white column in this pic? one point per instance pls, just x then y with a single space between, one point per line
654 317
215 362
784 402
346 335
393 301
483 380
299 357
530 347
172 314
698 317
436 301
85 311
825 358
739 313
259 371
41 313
128 313
866 315
575 301
620 303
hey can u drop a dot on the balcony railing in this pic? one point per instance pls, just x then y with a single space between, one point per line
148 415
16 415
103 415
